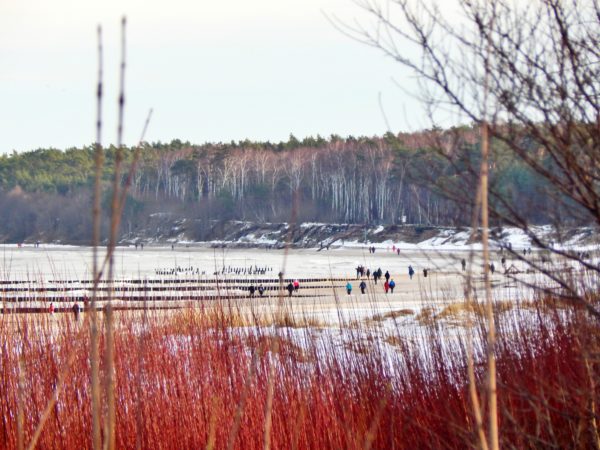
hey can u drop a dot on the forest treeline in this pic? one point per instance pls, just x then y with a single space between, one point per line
47 193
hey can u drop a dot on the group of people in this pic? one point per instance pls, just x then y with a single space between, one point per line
361 271
394 249
388 285
292 287
75 309
252 290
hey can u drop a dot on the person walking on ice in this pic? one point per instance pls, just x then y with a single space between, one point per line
362 286
411 271
392 285
349 288
290 289
76 310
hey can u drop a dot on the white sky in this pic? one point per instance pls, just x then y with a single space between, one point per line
212 70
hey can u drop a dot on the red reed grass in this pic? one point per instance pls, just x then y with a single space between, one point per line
179 384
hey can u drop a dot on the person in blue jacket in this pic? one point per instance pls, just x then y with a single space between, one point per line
411 271
349 288
392 285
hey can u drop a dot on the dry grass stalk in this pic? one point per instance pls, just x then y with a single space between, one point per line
269 402
20 408
491 331
116 208
98 165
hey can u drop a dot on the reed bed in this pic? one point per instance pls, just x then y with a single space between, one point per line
200 378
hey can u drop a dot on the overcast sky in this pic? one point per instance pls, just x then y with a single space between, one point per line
212 70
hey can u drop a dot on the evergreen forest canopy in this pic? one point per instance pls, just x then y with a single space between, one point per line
429 177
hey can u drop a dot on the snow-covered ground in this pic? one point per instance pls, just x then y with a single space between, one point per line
441 255
326 316
315 234
70 262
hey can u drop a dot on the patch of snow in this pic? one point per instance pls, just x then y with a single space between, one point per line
312 224
379 229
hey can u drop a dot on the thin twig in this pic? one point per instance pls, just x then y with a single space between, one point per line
109 423
98 163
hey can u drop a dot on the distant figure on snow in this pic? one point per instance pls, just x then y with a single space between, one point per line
463 263
76 309
387 276
386 286
261 290
296 285
290 288
362 287
349 288
411 271
392 285
252 289
425 272
492 268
